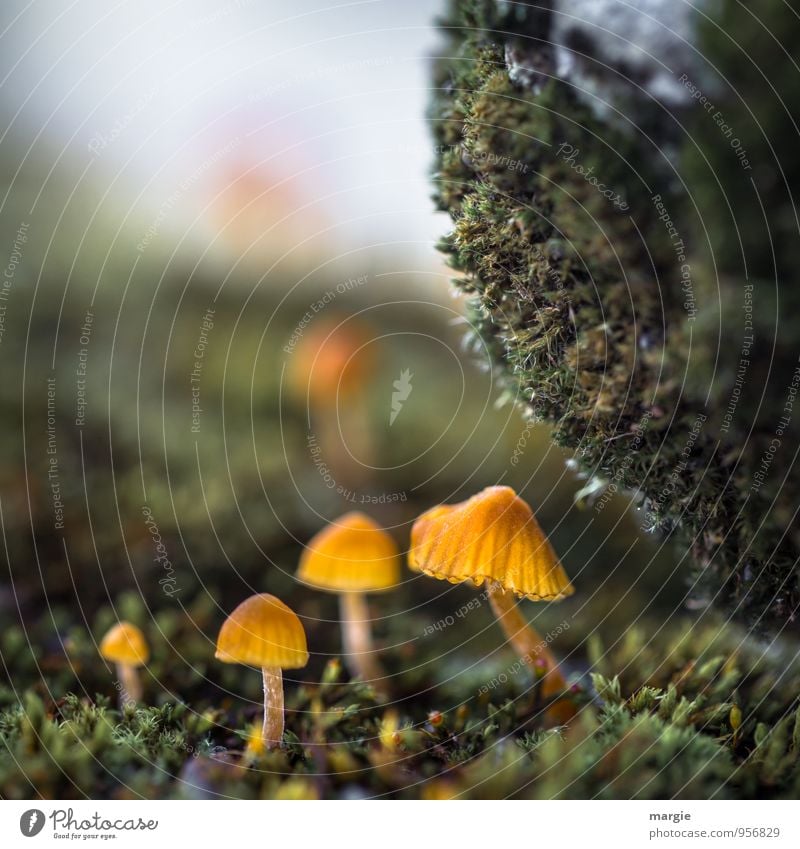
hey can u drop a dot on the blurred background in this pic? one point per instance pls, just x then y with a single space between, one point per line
225 323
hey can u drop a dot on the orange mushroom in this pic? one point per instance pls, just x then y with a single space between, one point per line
494 539
353 556
330 360
126 647
331 365
262 631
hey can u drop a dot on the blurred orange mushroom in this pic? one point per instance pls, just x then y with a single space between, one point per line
353 556
329 360
494 539
263 632
126 647
331 365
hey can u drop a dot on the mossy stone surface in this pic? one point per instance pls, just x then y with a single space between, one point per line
633 265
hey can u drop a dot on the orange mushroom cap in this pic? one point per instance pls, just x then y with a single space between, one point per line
125 643
353 554
263 631
492 537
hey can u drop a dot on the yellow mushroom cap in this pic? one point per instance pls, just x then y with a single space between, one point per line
263 631
353 554
492 537
125 643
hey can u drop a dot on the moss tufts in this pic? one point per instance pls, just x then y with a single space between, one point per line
603 273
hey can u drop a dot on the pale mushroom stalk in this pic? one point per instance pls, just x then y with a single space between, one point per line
351 557
131 684
357 637
125 646
352 419
524 638
273 706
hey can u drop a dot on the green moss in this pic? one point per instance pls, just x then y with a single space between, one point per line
689 711
589 308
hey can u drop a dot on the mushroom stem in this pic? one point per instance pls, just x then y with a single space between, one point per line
350 419
273 706
357 637
131 685
525 640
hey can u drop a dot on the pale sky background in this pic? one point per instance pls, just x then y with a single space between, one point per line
200 109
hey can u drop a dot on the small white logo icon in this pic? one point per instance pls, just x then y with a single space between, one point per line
403 389
31 822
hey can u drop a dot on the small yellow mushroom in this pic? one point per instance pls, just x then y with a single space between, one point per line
353 556
494 539
263 632
125 646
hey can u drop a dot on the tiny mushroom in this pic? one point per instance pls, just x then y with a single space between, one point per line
125 646
494 539
263 632
331 360
353 556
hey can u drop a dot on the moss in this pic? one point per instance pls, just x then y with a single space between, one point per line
628 338
697 713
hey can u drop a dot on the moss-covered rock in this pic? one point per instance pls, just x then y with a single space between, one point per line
630 245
